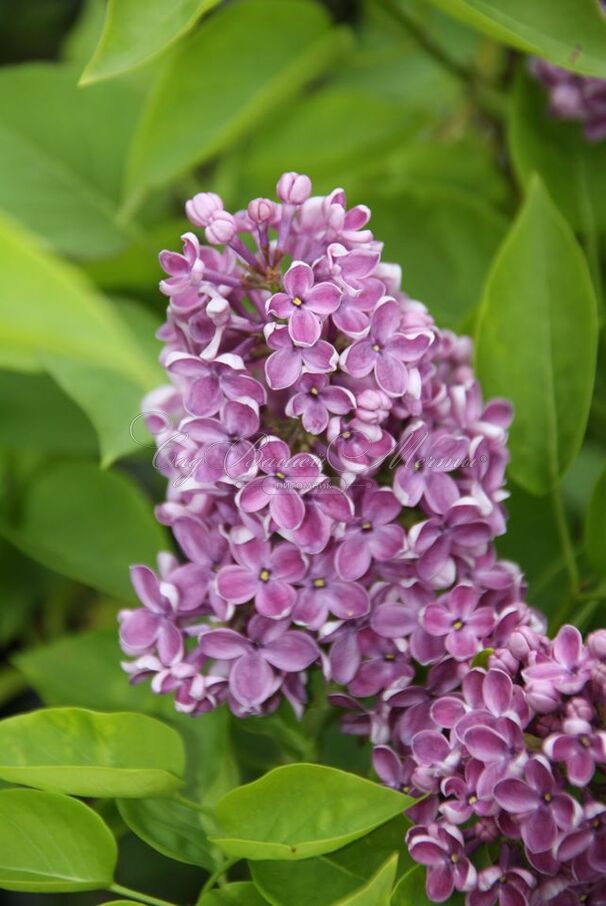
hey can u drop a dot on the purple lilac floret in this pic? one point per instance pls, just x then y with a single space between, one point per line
574 97
335 487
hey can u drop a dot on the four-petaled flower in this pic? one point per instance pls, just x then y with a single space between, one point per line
304 303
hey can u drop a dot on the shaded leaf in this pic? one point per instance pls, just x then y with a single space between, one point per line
378 890
240 893
537 340
170 827
595 528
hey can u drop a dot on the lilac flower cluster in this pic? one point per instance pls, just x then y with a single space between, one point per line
335 484
574 97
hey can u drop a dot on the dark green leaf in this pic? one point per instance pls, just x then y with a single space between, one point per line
84 753
571 33
135 31
50 843
595 528
220 73
271 819
241 893
87 524
378 890
536 341
410 889
170 827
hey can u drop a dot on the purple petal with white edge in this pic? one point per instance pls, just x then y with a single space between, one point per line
359 359
139 629
487 745
298 279
430 747
353 557
409 347
539 830
391 375
282 368
314 416
292 652
324 298
204 430
338 400
251 680
147 588
568 646
437 620
286 508
334 502
447 711
224 644
236 584
344 659
193 539
320 358
463 644
514 795
240 421
254 495
440 883
409 486
204 397
427 852
170 643
497 690
381 506
441 492
275 599
386 541
347 600
387 766
280 304
386 321
304 327
287 562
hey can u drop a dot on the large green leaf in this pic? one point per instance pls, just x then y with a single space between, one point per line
537 338
85 753
62 154
240 893
218 84
444 240
84 671
135 31
271 818
87 524
378 890
50 843
410 889
332 876
170 827
595 528
571 33
573 169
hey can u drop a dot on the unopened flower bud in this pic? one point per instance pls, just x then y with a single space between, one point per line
293 188
202 207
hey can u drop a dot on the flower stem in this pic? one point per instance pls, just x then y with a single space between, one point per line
565 539
137 895
218 873
196 806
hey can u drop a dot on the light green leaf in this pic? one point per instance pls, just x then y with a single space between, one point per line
410 889
536 341
52 844
171 828
50 307
82 38
61 174
84 671
595 528
445 240
332 876
136 31
378 890
240 893
573 169
87 524
217 85
570 33
271 819
121 903
85 753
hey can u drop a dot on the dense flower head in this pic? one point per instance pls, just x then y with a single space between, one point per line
574 97
335 486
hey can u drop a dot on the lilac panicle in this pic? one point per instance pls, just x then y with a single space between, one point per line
335 487
574 97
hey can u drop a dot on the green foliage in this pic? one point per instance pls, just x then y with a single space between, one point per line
84 753
171 827
51 843
271 818
135 31
87 524
410 889
241 893
595 528
571 33
537 341
378 890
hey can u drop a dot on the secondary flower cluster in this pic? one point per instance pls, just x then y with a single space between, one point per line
335 486
574 97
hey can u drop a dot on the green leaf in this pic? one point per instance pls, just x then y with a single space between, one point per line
240 893
410 889
36 416
378 890
330 877
136 31
570 33
60 173
171 828
121 903
83 37
573 169
84 671
445 241
537 339
595 528
52 844
220 73
88 525
271 819
50 307
84 753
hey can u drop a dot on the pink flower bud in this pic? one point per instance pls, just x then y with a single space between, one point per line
221 229
293 188
202 207
261 210
373 406
580 709
596 643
